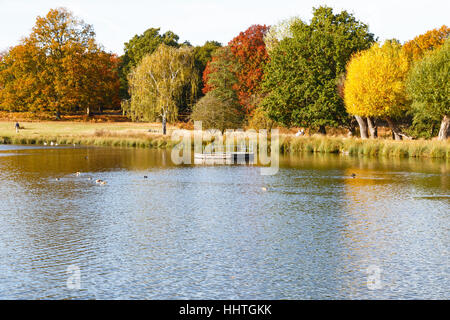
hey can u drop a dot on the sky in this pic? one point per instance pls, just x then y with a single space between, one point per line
197 21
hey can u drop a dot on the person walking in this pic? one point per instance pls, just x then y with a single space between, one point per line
17 126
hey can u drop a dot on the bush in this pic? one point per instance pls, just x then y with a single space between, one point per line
216 113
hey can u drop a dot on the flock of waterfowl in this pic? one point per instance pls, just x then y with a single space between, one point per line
98 181
51 144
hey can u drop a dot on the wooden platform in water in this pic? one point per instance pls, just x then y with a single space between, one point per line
224 158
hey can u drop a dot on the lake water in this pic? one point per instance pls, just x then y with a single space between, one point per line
193 232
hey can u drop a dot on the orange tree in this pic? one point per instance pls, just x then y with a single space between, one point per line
245 57
58 68
427 42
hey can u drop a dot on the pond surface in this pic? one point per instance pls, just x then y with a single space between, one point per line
193 232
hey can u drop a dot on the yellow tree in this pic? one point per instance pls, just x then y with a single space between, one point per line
375 84
160 82
426 42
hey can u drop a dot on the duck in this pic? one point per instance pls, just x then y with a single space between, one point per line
78 174
103 183
145 177
57 179
353 175
52 143
264 189
98 181
45 143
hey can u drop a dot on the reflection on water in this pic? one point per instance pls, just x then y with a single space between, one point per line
212 233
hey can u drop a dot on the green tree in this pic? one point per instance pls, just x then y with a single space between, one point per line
220 74
159 82
203 54
304 69
218 113
137 48
428 86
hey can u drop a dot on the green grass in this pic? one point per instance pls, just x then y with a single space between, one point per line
137 135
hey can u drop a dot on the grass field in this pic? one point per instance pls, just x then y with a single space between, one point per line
145 135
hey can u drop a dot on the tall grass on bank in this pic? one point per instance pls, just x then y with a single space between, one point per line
288 144
98 138
373 148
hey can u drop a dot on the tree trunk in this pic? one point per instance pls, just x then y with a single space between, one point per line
373 129
164 122
322 130
445 127
362 127
396 135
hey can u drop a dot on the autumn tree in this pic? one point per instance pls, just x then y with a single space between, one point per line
203 55
137 48
19 86
58 68
375 84
305 67
431 40
428 86
249 50
158 82
220 74
246 57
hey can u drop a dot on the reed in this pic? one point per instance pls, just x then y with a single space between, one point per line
138 136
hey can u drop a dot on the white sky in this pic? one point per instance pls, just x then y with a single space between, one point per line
115 22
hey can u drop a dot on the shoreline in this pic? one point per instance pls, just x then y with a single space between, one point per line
145 135
290 146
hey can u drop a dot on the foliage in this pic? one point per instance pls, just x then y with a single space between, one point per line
260 120
158 84
217 113
220 74
58 68
428 85
203 55
425 43
239 66
279 32
304 69
249 50
375 82
137 48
